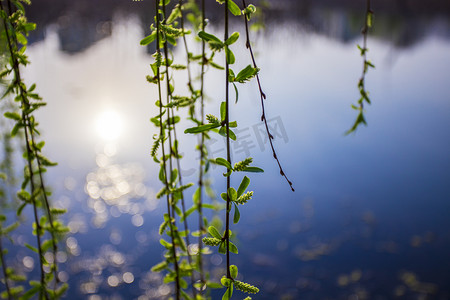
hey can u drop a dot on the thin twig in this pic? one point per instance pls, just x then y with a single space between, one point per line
263 97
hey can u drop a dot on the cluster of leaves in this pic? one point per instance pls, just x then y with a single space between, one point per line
33 192
222 126
170 29
364 94
179 262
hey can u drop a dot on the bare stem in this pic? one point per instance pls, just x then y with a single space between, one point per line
263 97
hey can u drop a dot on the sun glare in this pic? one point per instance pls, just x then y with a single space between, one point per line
109 125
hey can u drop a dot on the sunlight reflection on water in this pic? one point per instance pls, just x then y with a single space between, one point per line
116 189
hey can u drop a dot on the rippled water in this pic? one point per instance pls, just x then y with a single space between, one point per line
368 220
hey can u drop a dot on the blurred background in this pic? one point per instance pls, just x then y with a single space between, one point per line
370 215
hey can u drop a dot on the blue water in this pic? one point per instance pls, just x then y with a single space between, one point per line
368 220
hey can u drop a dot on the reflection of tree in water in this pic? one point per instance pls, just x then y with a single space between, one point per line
81 23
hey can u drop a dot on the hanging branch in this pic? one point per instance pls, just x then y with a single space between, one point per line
164 167
360 119
12 46
202 150
227 126
247 12
33 149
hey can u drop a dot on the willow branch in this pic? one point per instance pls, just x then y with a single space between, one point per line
263 97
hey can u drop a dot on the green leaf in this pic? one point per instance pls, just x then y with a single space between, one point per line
233 248
233 271
234 8
30 293
31 248
223 111
369 20
232 39
15 129
253 170
214 233
20 209
166 244
222 248
232 194
201 128
196 196
213 285
228 293
226 282
243 186
12 115
246 74
223 162
207 37
224 196
148 39
230 56
237 92
21 38
237 214
223 132
176 13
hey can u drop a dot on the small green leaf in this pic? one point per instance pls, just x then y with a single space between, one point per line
237 93
228 293
233 271
233 248
369 20
237 214
224 196
222 248
246 74
232 39
201 128
148 39
243 186
213 285
223 111
234 8
214 233
12 115
207 37
196 196
223 132
230 56
226 282
223 162
253 170
232 194
31 248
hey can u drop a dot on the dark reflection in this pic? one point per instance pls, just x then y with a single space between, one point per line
403 23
